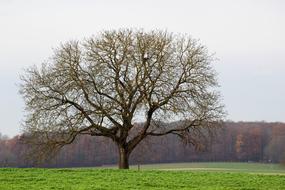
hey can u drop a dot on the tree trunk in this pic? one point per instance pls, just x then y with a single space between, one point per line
123 157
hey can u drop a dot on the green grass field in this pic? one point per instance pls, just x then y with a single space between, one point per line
219 166
160 176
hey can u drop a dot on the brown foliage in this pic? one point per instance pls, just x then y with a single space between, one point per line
262 143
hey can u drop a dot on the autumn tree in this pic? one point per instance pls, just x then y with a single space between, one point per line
107 84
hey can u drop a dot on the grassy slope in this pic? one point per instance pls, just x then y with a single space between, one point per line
79 179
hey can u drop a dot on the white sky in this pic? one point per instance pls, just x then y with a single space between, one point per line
246 35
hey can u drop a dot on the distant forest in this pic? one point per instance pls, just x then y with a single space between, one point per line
236 141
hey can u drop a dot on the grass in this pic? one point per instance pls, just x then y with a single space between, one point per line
219 166
87 178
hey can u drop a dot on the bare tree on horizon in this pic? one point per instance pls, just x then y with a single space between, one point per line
108 83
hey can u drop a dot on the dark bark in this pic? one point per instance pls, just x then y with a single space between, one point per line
123 157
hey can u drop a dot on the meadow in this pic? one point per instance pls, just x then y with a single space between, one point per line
204 176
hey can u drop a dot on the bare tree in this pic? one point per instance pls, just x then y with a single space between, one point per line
106 84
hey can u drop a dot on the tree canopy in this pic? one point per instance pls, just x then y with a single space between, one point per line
107 84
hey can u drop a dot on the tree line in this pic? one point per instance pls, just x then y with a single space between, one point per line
236 141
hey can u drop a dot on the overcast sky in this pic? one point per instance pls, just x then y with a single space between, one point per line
247 37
